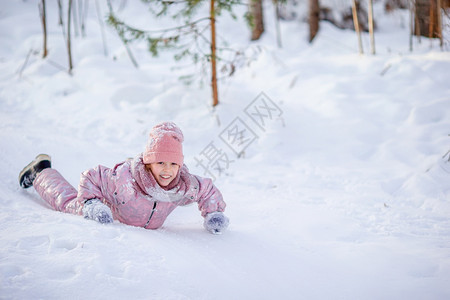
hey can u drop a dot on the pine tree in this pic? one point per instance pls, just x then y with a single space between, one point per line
186 38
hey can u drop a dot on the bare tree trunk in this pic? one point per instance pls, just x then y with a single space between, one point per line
314 12
256 11
411 25
215 93
277 22
130 54
356 24
427 20
60 17
416 24
83 14
75 11
372 36
44 27
69 48
102 27
439 17
430 25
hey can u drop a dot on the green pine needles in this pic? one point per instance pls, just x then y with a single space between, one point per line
194 38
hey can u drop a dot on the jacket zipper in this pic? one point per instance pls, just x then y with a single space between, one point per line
151 215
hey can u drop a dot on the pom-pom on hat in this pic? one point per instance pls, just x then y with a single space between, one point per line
164 144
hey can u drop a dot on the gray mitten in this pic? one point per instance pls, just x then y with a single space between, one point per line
94 209
216 222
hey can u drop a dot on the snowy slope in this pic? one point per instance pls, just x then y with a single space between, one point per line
345 195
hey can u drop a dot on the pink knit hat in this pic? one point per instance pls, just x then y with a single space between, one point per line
164 144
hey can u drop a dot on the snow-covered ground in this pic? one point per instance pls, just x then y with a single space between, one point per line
344 193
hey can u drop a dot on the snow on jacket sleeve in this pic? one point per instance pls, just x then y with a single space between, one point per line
93 183
209 198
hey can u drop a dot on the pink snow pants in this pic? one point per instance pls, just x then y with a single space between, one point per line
57 192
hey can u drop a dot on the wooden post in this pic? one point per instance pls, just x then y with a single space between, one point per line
356 24
215 93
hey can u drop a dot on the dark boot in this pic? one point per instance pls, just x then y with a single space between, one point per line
28 174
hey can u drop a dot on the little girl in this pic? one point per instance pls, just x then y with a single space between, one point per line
141 192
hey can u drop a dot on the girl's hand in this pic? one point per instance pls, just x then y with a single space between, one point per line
216 222
94 209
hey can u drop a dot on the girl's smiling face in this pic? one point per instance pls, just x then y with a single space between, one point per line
164 172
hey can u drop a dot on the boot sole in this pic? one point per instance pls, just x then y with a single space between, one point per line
42 161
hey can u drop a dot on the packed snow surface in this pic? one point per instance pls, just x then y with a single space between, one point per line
341 189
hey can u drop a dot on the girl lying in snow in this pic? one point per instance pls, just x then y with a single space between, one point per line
141 192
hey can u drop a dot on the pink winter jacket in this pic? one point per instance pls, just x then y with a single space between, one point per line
132 193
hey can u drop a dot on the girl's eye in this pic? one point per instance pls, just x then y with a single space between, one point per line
174 164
